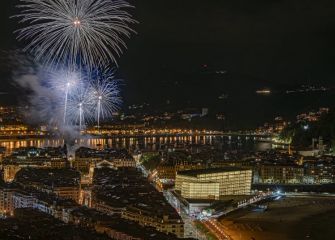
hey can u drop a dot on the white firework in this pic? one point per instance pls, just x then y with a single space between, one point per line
62 82
80 106
77 98
76 32
105 94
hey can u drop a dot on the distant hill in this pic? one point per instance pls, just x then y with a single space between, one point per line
303 133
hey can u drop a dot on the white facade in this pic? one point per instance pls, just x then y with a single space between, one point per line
213 183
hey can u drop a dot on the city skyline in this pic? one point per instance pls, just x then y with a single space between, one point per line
279 45
146 120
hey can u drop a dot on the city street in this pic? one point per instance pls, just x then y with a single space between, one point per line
217 229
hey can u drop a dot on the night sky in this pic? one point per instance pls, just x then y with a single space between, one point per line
181 44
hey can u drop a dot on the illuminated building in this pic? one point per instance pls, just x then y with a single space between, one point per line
86 158
114 226
23 200
163 223
6 200
68 192
58 163
213 183
31 157
83 164
9 172
285 174
169 171
86 197
319 172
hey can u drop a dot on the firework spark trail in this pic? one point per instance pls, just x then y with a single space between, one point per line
62 82
90 97
65 101
76 32
80 105
105 94
81 97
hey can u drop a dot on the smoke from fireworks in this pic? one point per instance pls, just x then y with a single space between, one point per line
76 32
63 98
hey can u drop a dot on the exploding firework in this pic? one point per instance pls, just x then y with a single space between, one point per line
63 82
105 94
76 32
80 106
84 96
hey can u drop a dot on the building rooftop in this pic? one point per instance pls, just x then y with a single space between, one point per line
126 188
104 154
31 156
119 224
49 198
48 177
197 172
31 224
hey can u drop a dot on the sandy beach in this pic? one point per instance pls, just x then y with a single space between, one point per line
290 218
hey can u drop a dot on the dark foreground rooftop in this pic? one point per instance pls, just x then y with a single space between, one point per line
30 224
48 177
127 188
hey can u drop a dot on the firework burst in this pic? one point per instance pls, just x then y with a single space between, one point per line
105 94
80 106
62 82
76 32
83 96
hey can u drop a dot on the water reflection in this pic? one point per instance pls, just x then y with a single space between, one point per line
148 143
